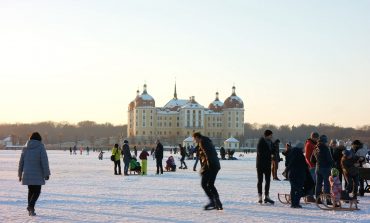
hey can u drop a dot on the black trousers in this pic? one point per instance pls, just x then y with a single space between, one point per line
182 160
117 164
260 173
296 191
208 184
33 194
159 165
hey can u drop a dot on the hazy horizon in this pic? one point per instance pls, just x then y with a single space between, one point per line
291 62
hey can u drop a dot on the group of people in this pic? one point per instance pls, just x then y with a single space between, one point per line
313 168
308 166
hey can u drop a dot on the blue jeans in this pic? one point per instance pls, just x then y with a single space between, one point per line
322 175
313 175
196 162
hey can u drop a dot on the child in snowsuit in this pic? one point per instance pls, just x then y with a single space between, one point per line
144 162
335 187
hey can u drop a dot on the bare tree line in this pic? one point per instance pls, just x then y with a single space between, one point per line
57 132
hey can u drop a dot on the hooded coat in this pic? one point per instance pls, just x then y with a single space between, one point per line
34 164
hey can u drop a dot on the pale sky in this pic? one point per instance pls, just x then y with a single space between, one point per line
292 62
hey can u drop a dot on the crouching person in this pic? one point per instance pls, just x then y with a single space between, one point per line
297 170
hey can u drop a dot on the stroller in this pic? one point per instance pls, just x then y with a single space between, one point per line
135 166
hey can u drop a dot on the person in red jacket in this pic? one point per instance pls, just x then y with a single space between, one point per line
309 147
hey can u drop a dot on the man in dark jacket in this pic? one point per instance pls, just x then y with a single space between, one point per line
324 163
210 165
263 164
159 156
126 156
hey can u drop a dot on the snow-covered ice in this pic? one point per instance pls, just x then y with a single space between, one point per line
84 189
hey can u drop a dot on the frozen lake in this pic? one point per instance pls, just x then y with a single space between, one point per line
83 189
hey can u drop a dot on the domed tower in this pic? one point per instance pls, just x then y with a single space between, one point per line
141 116
216 105
233 110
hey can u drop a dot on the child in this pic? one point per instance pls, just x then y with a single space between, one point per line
144 161
101 155
335 186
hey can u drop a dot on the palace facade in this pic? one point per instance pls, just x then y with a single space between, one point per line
179 118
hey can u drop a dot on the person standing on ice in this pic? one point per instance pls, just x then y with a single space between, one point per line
263 164
117 160
183 154
309 147
126 156
210 165
33 169
158 153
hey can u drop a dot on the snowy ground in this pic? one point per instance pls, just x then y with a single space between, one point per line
84 189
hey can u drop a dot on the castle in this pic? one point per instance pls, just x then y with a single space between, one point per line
179 118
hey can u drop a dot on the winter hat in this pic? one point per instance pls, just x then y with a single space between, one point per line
357 143
314 135
346 153
334 172
267 133
125 141
323 139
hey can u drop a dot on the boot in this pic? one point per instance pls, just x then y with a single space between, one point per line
268 200
218 204
210 206
260 198
328 202
31 211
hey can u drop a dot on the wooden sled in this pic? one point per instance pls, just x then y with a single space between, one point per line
285 199
344 205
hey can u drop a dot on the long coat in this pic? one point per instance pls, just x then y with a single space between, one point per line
33 164
208 156
126 153
264 152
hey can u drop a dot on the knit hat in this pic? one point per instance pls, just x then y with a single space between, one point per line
314 135
334 172
323 139
125 141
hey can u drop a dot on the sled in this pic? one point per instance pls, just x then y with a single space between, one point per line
285 199
365 174
343 205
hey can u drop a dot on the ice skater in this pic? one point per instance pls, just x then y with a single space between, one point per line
210 165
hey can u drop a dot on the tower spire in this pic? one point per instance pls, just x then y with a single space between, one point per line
175 94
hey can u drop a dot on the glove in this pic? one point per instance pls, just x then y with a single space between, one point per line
47 178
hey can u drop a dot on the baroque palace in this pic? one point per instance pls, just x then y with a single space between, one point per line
179 118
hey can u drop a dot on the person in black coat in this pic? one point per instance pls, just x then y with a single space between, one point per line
210 165
223 153
183 154
324 163
159 156
297 171
286 152
275 159
337 157
126 156
263 164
